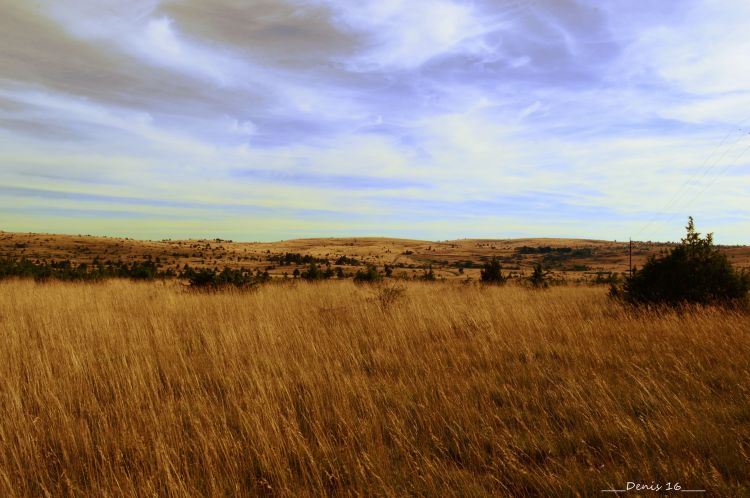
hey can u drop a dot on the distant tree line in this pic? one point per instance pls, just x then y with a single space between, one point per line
136 270
345 260
67 270
212 278
294 258
583 252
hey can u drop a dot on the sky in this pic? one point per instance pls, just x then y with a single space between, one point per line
262 120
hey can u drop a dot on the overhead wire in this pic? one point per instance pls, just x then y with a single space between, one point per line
707 166
721 172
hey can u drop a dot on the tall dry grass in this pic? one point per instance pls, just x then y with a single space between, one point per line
123 389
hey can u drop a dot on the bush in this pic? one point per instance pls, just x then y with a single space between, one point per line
428 275
539 277
313 273
492 272
371 274
693 272
206 278
295 258
345 260
202 278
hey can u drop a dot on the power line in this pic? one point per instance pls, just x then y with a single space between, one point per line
707 186
682 195
706 167
679 191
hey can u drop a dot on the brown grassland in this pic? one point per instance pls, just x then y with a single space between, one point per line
408 257
301 389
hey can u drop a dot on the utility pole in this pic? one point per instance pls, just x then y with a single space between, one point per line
630 264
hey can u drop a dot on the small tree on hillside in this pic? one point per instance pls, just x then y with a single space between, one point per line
492 272
371 274
428 275
313 273
693 272
539 277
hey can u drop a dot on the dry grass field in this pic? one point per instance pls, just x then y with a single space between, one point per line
297 389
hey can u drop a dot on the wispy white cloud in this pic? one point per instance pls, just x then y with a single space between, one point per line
137 29
401 34
448 118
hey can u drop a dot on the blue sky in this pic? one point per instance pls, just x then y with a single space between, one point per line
433 119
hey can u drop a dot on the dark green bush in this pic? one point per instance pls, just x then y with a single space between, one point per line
492 272
314 272
295 258
345 260
371 274
694 272
428 275
207 278
539 277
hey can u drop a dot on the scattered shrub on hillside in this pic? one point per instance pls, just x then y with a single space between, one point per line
428 275
388 269
207 278
492 272
262 276
539 277
295 258
693 272
67 270
202 278
313 272
562 251
371 274
345 260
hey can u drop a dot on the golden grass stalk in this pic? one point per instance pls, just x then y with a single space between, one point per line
124 389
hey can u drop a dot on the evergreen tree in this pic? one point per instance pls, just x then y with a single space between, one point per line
539 277
492 272
369 275
693 272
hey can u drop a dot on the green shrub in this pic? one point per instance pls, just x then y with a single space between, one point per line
313 273
539 277
693 272
492 272
207 278
371 274
428 275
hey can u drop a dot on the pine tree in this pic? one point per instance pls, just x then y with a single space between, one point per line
492 272
693 272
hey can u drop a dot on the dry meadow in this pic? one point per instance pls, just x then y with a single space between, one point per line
409 258
416 388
